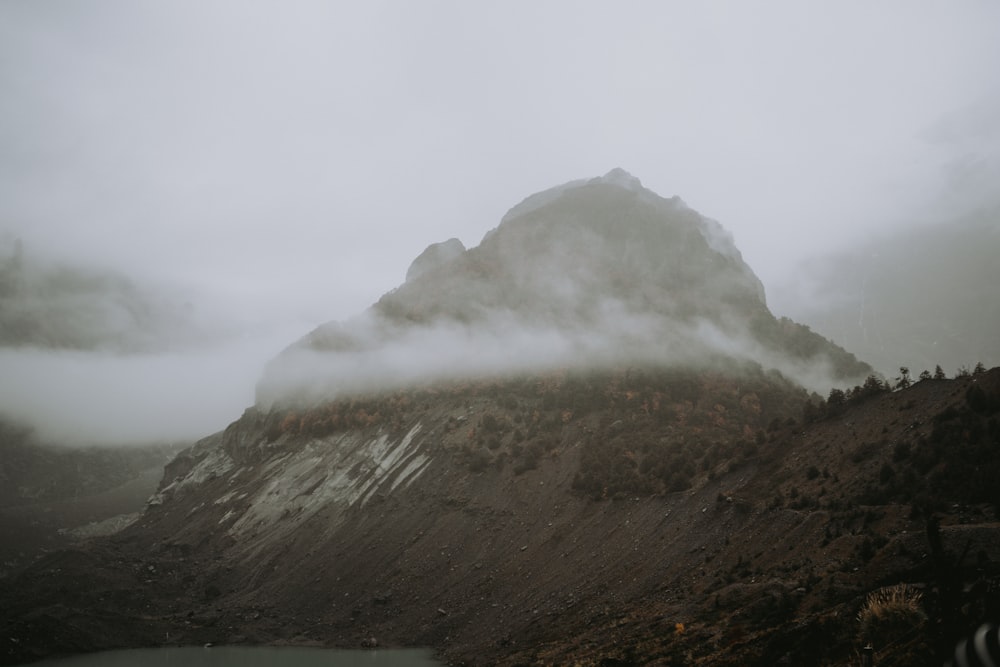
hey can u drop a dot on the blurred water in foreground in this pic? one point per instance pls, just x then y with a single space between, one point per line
248 656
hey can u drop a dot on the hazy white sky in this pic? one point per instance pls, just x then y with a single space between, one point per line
294 157
307 151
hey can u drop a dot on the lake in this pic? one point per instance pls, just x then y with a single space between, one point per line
248 656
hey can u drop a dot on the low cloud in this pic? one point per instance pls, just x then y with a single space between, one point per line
91 356
374 356
75 397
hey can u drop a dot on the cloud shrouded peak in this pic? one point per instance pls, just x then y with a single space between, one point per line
592 272
436 254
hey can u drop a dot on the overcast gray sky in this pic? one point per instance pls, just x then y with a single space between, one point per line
292 158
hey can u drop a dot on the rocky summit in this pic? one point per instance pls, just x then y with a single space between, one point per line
585 441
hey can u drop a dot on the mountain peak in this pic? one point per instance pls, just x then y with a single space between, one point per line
617 177
620 178
434 256
593 273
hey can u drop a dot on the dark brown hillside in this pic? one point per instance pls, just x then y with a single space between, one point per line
640 431
412 517
52 496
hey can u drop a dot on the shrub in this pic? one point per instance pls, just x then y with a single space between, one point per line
478 460
489 423
890 614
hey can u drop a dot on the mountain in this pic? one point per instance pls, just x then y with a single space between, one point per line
52 496
580 442
593 273
63 306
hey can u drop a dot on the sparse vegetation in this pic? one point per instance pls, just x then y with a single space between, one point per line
891 616
641 431
667 425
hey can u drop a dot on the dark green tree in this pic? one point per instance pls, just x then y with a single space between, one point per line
903 381
874 385
811 412
835 401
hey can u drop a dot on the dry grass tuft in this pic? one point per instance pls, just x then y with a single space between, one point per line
890 615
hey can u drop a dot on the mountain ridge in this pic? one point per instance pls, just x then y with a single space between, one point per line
891 300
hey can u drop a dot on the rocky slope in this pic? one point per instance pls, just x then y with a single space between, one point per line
395 530
52 496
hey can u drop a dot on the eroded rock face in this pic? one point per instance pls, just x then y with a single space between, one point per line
334 474
257 490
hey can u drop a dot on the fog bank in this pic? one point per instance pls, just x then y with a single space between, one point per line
77 397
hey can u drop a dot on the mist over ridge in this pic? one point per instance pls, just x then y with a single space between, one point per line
53 304
592 273
90 355
920 297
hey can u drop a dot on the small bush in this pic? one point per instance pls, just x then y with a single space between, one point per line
890 614
490 423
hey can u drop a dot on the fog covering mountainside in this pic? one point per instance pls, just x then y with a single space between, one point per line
593 273
919 297
92 355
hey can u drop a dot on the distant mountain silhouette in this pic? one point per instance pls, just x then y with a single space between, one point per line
56 305
918 297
